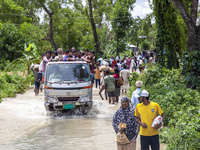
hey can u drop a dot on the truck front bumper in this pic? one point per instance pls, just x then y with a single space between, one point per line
61 105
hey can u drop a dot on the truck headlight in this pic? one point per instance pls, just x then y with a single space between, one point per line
85 98
50 100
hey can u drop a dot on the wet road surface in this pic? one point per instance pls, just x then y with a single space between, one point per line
31 128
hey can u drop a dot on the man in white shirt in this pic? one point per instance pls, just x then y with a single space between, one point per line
118 57
136 94
111 60
119 65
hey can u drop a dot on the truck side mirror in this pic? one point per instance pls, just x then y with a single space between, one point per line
39 76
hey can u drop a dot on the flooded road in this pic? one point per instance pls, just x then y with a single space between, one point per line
31 128
26 126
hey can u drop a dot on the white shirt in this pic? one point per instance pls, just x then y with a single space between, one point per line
118 58
134 98
119 66
105 63
133 63
140 62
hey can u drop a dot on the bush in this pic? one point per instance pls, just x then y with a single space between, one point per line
11 85
180 105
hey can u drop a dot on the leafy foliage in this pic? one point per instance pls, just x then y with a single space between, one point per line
11 85
191 64
11 43
168 33
30 55
179 104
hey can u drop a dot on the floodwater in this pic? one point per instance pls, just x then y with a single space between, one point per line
25 125
57 130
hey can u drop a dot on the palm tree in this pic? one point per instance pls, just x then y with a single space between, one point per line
30 55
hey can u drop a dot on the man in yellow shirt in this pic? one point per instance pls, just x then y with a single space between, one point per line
97 75
146 111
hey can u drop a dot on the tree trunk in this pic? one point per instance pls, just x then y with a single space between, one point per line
28 69
50 39
193 30
97 44
190 21
117 44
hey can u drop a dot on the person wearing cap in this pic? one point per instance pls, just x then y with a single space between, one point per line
135 94
146 111
109 82
35 69
125 114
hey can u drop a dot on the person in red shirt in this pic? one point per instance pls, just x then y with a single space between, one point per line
114 62
117 88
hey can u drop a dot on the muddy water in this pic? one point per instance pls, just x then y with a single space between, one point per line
26 126
29 127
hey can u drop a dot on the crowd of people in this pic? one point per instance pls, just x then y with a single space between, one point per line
117 67
112 76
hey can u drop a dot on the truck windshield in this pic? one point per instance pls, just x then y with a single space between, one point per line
68 72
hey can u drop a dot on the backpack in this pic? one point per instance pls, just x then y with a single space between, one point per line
120 82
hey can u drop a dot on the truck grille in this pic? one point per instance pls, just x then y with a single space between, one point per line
68 99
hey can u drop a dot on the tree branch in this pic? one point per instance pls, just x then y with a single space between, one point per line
51 40
44 39
194 9
45 9
186 17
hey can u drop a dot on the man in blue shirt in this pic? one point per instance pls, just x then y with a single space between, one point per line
136 93
69 57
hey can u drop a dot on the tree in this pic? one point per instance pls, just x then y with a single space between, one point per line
133 32
168 34
121 19
11 12
49 37
11 43
97 44
190 20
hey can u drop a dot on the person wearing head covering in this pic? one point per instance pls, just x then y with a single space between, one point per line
125 114
35 69
146 111
135 94
60 54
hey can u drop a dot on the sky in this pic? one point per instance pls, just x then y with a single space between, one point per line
141 8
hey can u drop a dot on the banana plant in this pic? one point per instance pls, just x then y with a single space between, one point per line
30 56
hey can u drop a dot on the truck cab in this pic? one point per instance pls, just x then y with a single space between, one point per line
67 85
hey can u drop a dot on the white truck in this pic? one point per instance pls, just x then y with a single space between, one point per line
67 85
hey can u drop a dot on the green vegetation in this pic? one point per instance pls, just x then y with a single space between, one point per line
10 85
30 56
180 105
106 27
